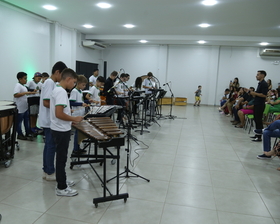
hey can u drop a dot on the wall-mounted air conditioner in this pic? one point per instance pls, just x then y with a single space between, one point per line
93 44
270 52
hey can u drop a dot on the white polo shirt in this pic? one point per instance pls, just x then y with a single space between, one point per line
59 97
44 112
21 102
94 93
33 85
149 83
92 79
77 96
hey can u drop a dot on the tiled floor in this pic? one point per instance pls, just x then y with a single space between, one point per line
202 170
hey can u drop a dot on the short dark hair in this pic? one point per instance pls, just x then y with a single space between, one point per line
60 66
123 75
114 73
94 70
198 86
227 90
21 75
68 72
262 72
44 74
82 79
100 79
252 88
150 74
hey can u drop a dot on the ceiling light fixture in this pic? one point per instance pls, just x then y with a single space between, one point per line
204 25
201 41
129 26
88 26
143 41
104 5
209 2
49 7
264 43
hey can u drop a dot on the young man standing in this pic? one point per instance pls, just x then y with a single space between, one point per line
259 102
92 79
45 122
108 91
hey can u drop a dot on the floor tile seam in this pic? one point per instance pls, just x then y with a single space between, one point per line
16 206
200 169
246 214
190 184
266 204
188 206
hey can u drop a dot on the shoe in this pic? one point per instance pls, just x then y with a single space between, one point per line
34 130
257 139
21 137
194 105
222 112
238 126
50 177
263 156
255 136
235 122
258 131
70 183
198 105
68 192
228 115
44 175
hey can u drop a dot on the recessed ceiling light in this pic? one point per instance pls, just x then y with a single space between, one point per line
201 41
128 25
49 7
143 41
209 2
104 5
88 26
264 43
204 25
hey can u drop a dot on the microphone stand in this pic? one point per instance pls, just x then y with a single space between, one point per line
170 116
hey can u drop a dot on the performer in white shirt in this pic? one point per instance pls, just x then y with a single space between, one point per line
92 79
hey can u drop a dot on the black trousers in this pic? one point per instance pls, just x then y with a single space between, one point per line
258 115
61 140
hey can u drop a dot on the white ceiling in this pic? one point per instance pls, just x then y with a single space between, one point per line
234 22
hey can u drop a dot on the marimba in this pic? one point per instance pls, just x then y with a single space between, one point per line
103 132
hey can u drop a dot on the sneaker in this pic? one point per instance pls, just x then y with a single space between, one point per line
70 183
33 130
21 137
235 122
44 175
258 131
228 115
222 112
50 177
194 105
68 192
257 139
263 156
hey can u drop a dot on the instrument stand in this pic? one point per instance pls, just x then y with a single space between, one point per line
170 116
144 117
152 109
127 171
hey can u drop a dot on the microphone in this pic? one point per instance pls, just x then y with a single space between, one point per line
113 86
166 83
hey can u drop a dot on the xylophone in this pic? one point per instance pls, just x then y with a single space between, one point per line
104 133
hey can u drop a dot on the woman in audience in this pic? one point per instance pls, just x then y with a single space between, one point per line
227 107
247 109
235 83
275 104
269 84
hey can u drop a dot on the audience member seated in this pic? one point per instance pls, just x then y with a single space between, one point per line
275 104
227 107
269 84
247 109
235 83
224 98
273 130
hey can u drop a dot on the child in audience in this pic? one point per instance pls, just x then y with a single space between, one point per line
20 98
35 85
94 94
197 96
61 120
45 76
78 106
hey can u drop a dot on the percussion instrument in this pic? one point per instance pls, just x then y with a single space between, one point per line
102 111
104 133
8 114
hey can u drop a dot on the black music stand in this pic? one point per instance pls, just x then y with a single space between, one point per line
159 104
153 106
127 171
144 117
170 116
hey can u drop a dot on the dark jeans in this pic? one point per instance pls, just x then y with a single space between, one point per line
273 130
25 118
61 140
235 114
49 152
258 115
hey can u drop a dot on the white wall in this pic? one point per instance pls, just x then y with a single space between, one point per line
31 44
189 66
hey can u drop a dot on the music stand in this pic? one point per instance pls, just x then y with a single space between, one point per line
170 116
159 103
